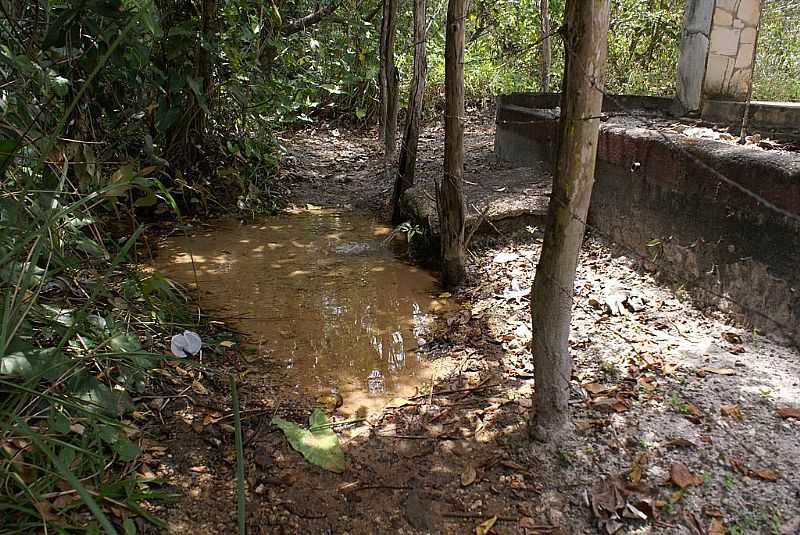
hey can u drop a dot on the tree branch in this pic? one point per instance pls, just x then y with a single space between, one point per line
298 25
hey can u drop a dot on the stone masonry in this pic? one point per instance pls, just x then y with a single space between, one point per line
716 51
729 70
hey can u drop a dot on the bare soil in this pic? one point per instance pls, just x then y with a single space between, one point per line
677 410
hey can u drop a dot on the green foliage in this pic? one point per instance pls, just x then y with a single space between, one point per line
70 359
318 444
777 71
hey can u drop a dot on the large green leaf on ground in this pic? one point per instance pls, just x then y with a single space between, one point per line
100 398
318 444
26 361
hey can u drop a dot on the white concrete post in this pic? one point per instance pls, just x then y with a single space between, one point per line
716 51
693 53
729 70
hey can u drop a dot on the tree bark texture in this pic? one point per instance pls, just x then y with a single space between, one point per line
451 191
408 148
586 44
544 22
389 85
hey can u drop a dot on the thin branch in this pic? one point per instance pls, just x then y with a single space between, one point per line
298 25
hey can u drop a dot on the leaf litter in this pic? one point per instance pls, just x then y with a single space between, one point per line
660 369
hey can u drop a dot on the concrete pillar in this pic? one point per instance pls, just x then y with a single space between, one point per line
729 70
697 17
716 51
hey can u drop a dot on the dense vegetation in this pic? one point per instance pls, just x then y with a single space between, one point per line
777 72
118 112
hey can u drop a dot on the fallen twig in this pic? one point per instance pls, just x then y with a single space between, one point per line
425 437
477 225
481 386
500 518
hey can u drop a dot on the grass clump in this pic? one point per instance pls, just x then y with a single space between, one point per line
73 315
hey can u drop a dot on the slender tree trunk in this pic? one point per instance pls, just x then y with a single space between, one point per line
389 82
451 192
544 20
586 44
408 148
204 65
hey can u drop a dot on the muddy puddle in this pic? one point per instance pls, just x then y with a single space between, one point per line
321 294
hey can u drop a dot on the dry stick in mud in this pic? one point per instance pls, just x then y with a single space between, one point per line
450 195
389 85
587 33
408 147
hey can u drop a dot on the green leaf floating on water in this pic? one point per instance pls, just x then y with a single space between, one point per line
318 444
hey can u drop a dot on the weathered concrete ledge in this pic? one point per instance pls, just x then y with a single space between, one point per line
663 195
776 116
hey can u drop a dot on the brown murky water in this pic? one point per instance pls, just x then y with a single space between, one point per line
319 294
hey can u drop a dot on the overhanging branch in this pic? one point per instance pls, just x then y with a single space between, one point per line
298 25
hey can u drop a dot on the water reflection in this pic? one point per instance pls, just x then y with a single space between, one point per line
319 293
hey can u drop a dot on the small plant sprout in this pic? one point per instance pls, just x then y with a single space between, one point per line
678 404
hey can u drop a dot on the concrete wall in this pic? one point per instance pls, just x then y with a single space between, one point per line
661 186
769 118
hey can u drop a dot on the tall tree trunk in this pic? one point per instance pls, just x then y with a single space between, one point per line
204 66
408 148
586 43
389 82
544 21
451 191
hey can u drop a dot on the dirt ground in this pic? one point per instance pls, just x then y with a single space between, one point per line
683 420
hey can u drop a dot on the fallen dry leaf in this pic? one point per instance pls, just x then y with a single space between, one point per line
731 337
485 527
737 465
694 523
764 473
731 411
211 418
716 527
45 510
469 475
789 412
679 475
607 502
635 474
648 507
693 410
606 404
595 389
670 368
199 388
